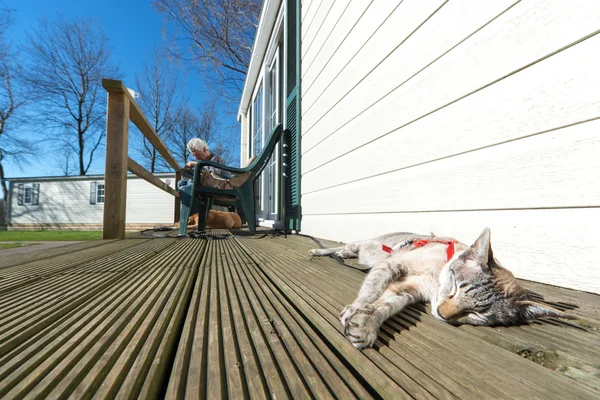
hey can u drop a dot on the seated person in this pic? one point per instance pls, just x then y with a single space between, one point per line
210 176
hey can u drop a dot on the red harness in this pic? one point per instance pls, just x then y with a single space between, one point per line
421 243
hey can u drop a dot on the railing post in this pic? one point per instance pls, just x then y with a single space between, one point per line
177 215
115 177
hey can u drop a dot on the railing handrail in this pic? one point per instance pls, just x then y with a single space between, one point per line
121 109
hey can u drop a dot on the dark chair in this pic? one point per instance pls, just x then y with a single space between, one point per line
201 197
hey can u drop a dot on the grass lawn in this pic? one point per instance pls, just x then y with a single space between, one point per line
14 245
50 236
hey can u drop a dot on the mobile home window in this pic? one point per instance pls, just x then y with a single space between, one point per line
28 193
97 193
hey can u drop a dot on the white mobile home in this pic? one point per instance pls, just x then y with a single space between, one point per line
77 202
437 116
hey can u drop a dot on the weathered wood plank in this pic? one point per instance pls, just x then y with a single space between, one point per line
289 339
340 381
255 385
253 318
7 261
115 176
85 310
41 269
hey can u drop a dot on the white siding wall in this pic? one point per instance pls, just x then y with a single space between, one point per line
453 116
68 202
244 138
148 204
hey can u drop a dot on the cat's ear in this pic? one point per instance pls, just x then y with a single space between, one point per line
481 250
530 310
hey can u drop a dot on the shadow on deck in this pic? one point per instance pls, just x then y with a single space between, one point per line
252 317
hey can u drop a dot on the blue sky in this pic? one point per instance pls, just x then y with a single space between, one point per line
133 28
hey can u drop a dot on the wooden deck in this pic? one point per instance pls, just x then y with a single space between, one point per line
252 317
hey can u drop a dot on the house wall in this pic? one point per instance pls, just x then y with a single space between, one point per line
453 116
67 202
244 138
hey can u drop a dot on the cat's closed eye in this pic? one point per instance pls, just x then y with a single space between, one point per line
454 290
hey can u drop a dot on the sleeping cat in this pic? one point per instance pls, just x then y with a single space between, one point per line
465 284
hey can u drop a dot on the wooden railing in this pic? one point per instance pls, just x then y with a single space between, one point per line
121 109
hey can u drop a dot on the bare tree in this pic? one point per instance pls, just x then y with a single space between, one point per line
212 130
186 127
5 22
12 100
217 35
162 100
202 124
68 60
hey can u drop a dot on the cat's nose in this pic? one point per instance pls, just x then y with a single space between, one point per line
437 310
447 309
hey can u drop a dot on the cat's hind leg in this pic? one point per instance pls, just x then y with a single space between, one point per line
324 252
362 324
347 251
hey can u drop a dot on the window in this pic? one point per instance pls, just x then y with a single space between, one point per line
97 193
257 122
28 193
272 95
273 99
100 193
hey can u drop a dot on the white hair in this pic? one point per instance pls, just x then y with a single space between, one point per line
197 144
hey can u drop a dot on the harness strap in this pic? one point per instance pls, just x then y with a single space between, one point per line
420 243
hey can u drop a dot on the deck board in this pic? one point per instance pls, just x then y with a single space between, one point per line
253 317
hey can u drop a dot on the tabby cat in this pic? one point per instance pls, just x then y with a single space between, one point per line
465 284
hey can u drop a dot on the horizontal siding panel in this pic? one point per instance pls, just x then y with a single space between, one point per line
437 31
316 13
330 21
527 32
343 27
555 169
558 247
314 81
305 7
310 31
149 204
557 92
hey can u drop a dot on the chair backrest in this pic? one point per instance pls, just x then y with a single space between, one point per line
259 164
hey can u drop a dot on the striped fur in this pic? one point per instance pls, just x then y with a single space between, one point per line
471 288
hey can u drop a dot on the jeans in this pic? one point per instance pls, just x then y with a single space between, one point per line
182 183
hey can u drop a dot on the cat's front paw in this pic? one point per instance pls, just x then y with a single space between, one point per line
347 312
361 327
313 252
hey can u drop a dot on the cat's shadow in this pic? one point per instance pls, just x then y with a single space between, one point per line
409 317
559 305
406 320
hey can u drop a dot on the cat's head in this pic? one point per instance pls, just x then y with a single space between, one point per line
475 289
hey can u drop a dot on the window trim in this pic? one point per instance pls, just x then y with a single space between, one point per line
34 194
94 192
